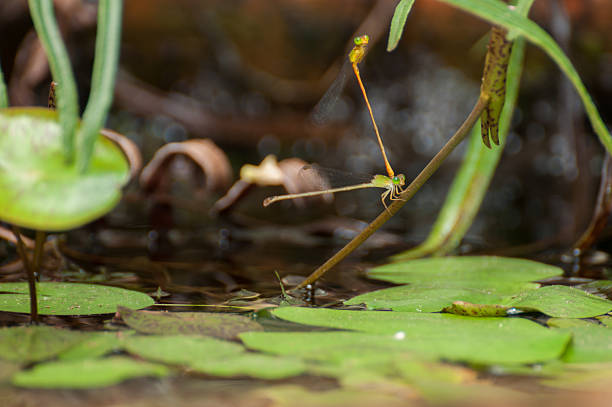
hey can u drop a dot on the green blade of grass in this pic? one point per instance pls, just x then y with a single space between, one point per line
103 78
48 32
498 13
397 23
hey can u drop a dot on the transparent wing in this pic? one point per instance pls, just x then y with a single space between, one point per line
322 112
321 178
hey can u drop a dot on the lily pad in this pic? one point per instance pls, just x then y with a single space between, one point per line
181 349
296 396
583 377
433 297
589 344
481 340
256 365
70 298
224 326
463 269
562 302
39 189
86 373
95 344
35 343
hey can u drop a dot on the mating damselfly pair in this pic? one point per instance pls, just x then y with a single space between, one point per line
391 183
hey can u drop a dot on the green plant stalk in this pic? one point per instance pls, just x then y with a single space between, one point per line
498 13
408 193
59 63
108 42
474 177
3 92
21 250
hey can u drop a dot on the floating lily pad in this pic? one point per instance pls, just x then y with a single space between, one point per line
589 344
70 298
568 322
582 377
95 344
181 349
252 364
433 297
562 302
463 269
481 340
224 326
39 189
296 396
26 344
606 320
86 373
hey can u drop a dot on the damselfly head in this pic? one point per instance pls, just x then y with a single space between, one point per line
399 179
362 40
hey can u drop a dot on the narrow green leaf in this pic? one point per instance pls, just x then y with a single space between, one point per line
397 23
474 177
49 34
498 13
108 41
3 92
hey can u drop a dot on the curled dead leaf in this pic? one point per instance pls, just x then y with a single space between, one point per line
204 153
129 149
287 173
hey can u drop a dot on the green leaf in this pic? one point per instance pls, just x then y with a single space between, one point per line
181 349
589 344
568 322
95 345
39 189
252 364
3 92
35 343
463 269
480 340
50 37
582 377
70 298
498 13
397 23
562 302
108 42
224 326
86 373
296 396
433 297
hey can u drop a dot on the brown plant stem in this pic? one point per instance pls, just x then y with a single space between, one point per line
407 194
31 276
38 251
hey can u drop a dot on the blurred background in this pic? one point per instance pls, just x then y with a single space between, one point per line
247 74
